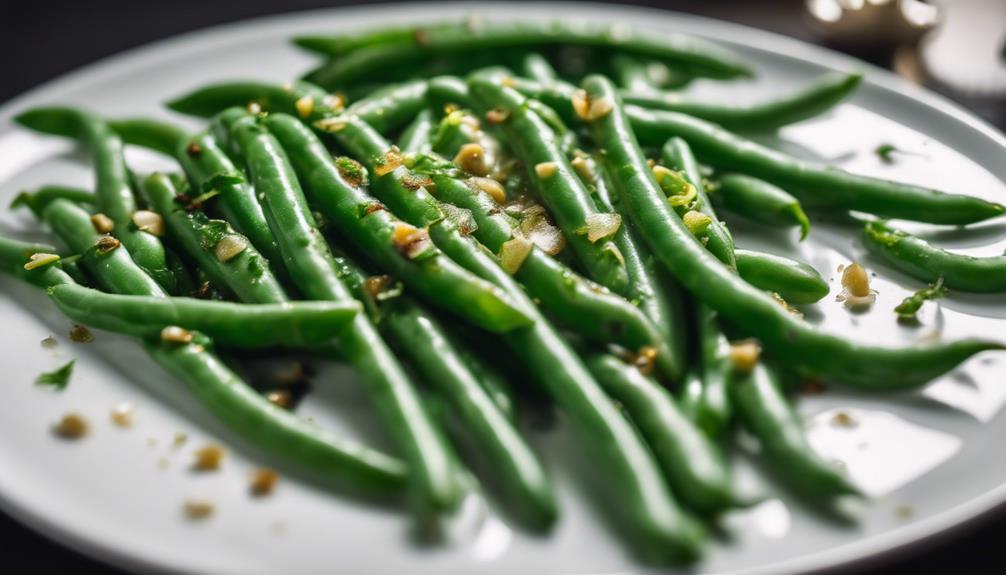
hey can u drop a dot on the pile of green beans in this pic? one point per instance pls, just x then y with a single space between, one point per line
574 230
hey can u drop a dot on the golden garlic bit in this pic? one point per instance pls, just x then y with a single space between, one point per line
122 415
263 482
208 458
71 426
198 509
745 355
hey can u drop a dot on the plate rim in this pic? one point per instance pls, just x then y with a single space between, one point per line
879 549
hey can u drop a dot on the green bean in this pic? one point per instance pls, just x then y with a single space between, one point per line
678 155
808 102
428 274
309 263
220 391
817 186
794 281
712 409
102 254
695 470
656 294
391 107
921 260
274 429
37 200
423 340
416 137
761 201
658 522
14 255
697 56
228 324
658 525
764 411
588 230
804 346
113 192
211 173
230 260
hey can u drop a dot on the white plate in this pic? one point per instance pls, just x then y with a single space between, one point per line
117 495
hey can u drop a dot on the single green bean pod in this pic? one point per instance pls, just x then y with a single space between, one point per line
376 60
795 281
760 201
921 260
324 455
765 412
808 102
692 464
229 324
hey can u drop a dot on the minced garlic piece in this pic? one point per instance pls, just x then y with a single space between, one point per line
198 509
856 290
106 243
102 223
150 222
389 162
122 415
39 260
304 106
590 109
175 334
229 247
208 458
280 398
491 187
546 169
80 334
745 355
71 426
472 159
263 481
497 116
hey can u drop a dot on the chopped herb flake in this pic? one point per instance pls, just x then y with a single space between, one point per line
57 379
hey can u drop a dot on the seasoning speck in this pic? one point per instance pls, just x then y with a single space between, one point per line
179 440
122 415
71 426
198 509
280 398
49 343
263 481
81 334
843 419
904 511
208 458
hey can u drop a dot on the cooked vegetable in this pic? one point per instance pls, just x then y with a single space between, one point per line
921 260
293 324
810 349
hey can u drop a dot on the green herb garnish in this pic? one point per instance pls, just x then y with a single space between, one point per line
886 153
911 305
57 379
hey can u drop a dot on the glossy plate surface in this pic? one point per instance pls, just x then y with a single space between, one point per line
929 460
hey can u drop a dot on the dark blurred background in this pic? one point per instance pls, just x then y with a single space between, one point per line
957 47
